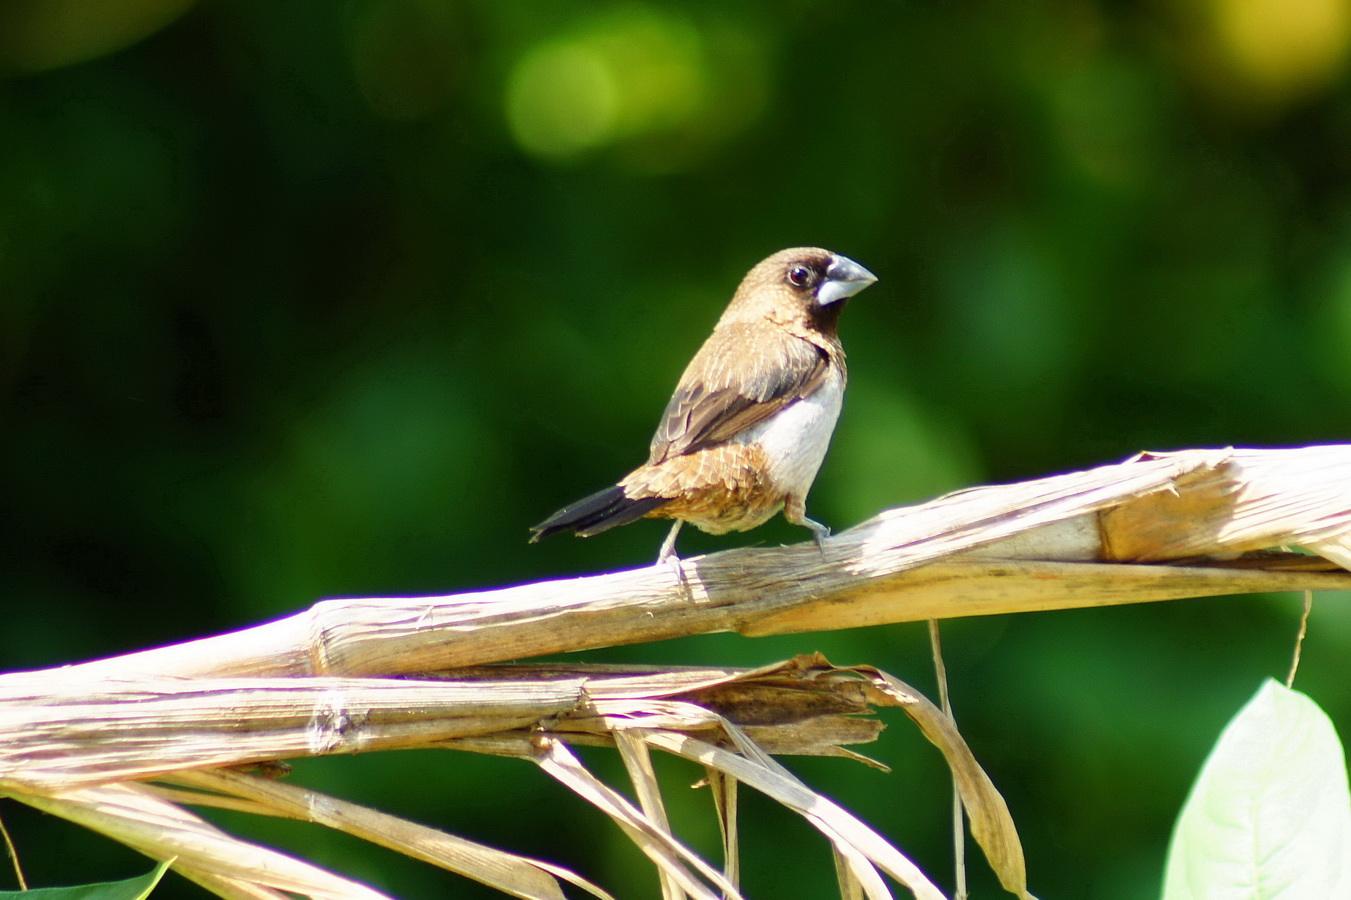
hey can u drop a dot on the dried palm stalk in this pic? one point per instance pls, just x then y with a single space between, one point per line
120 745
1156 527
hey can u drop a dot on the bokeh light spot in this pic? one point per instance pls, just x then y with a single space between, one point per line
43 34
1285 45
654 85
1266 54
562 100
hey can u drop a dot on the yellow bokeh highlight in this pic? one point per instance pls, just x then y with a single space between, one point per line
562 99
637 78
1281 49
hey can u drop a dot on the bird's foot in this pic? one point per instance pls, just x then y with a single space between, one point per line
677 567
668 556
673 563
819 533
795 511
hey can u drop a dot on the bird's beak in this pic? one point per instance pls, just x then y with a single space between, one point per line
844 279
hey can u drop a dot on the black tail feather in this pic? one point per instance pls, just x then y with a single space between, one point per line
601 511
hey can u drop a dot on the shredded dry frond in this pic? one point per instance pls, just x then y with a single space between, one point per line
373 674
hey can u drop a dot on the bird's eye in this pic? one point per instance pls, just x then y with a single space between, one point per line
800 276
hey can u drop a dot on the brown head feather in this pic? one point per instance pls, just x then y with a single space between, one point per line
768 292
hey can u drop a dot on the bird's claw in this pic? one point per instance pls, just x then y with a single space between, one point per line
668 556
819 533
677 567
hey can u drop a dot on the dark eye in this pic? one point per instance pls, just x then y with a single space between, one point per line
800 276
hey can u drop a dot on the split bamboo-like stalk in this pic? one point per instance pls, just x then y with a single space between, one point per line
1157 527
120 744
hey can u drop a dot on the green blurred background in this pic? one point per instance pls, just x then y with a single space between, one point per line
310 299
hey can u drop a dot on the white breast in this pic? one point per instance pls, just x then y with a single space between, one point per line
796 437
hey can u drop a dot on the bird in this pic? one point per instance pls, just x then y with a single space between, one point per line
747 428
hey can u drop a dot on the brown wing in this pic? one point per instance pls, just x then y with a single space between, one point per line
744 373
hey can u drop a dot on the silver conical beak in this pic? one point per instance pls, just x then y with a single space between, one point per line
844 279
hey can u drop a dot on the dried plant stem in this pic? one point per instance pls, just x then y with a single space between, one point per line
13 856
79 741
958 822
638 761
724 791
1152 528
1299 638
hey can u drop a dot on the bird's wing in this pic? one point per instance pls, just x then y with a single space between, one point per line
743 374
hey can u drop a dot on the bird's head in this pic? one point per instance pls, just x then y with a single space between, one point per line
804 285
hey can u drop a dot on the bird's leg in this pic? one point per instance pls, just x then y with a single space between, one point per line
668 553
795 511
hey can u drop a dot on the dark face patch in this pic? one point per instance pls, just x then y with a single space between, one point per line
825 318
805 273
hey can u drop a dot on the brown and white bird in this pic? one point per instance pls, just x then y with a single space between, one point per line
747 428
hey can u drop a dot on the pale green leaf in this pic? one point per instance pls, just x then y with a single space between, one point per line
1269 816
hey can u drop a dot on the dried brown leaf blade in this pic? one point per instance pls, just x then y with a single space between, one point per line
638 762
166 724
1155 527
850 889
837 824
231 888
514 875
991 823
134 816
660 846
724 791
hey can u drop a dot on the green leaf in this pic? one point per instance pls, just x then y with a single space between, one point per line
131 889
1270 815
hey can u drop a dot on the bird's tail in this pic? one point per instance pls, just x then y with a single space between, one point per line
601 511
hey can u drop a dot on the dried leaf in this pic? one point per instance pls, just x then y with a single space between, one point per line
847 832
658 845
513 875
638 762
991 824
724 791
850 889
134 816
